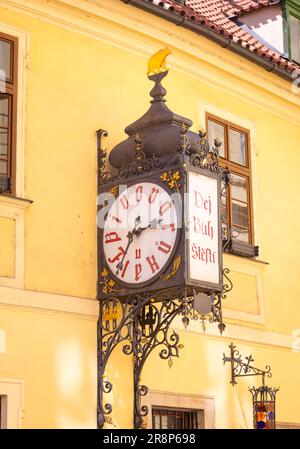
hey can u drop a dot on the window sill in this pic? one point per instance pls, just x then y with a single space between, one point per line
242 249
14 201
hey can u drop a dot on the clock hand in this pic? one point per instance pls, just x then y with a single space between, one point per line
130 240
152 225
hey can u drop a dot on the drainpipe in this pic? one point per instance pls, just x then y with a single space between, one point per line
220 39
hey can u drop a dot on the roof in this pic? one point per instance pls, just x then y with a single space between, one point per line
217 15
230 8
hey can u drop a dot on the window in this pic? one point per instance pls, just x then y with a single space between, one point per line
295 38
235 154
176 418
8 103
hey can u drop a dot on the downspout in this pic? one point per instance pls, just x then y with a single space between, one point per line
201 30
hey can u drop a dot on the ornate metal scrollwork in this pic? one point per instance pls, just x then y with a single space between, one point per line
104 176
152 329
240 368
142 322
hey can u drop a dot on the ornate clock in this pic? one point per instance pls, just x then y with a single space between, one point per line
161 222
159 239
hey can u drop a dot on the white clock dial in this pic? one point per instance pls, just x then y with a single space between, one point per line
140 233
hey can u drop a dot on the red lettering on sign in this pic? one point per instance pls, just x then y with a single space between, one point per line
206 255
200 201
205 228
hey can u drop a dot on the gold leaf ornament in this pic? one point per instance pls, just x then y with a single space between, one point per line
176 265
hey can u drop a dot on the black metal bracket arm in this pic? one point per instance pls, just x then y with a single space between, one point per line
240 368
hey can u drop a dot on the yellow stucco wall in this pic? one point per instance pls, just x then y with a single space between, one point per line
7 246
75 84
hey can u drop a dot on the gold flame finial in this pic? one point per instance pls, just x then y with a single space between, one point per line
157 62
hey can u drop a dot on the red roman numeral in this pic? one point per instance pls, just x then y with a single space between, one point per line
153 264
124 202
164 207
117 219
117 257
139 192
111 237
138 253
168 226
138 270
153 195
164 247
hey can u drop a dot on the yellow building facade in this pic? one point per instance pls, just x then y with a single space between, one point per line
82 66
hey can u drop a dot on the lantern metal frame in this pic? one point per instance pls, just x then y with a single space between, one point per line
260 395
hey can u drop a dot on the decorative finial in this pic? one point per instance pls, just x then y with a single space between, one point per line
202 133
157 62
139 155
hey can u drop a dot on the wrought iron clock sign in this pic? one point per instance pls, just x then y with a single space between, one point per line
159 238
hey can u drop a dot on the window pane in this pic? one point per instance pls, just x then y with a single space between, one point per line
5 59
156 421
216 131
237 147
239 188
3 142
239 213
240 234
164 421
4 110
175 418
3 167
295 38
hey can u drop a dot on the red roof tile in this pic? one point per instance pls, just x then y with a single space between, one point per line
217 15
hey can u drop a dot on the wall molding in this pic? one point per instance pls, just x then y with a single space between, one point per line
86 308
49 302
239 333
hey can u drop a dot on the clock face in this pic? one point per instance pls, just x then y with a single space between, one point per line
140 233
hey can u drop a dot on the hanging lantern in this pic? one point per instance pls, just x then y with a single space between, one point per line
264 407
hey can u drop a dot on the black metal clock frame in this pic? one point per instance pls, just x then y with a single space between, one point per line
141 321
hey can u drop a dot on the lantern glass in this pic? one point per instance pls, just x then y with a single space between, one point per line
264 407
